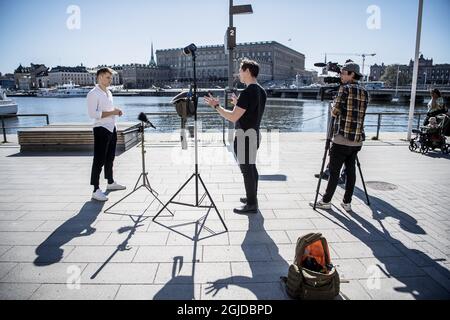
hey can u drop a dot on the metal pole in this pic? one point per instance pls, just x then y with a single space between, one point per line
194 58
378 126
230 75
230 52
364 61
396 86
415 71
4 130
143 153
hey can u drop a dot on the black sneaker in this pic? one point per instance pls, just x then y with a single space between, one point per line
247 209
325 176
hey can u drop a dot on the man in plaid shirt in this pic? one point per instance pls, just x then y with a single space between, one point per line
349 111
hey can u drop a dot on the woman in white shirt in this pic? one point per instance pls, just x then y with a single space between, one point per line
435 106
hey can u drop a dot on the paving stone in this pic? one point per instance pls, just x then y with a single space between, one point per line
83 292
181 272
55 273
119 273
17 291
244 291
236 253
159 292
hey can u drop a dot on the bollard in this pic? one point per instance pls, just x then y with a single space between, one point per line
378 126
4 129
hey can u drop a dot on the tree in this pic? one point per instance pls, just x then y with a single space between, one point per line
390 76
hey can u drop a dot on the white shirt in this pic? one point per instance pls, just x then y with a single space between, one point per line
99 101
435 105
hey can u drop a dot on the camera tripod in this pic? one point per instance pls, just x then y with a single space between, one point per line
331 122
196 175
144 175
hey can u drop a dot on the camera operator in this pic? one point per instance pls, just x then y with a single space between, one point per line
247 114
348 110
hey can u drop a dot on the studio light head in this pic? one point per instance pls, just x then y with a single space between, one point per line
190 49
184 105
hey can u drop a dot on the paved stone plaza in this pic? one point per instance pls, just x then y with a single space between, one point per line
57 244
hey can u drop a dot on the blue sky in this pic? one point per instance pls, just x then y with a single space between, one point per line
117 32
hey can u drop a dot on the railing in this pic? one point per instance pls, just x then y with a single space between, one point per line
198 114
381 114
378 125
378 114
3 116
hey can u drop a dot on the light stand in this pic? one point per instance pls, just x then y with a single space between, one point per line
198 201
144 175
331 121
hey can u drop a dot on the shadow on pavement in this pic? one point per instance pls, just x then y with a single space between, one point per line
50 251
414 280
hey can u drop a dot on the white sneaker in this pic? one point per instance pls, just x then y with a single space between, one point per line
115 187
347 206
99 196
321 205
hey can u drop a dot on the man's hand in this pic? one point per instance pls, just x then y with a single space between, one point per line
335 112
118 112
212 101
234 99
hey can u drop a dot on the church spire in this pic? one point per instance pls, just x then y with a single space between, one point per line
152 60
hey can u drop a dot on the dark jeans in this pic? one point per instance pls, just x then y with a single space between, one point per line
249 172
340 155
105 143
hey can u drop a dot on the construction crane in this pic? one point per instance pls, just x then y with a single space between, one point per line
363 55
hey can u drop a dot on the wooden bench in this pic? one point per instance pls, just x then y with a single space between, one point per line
73 137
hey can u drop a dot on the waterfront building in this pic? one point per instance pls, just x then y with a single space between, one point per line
277 62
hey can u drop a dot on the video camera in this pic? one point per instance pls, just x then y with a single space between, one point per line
333 82
331 67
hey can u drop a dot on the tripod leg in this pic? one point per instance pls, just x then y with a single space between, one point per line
212 202
174 196
149 186
321 175
362 179
157 199
137 182
122 199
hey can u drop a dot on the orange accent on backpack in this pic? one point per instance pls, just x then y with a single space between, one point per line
316 251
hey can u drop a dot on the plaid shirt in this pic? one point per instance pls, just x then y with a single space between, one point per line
350 107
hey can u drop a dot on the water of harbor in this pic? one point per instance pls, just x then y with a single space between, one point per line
298 116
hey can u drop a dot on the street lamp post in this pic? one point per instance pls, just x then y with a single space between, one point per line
364 62
230 46
415 71
230 52
231 34
396 85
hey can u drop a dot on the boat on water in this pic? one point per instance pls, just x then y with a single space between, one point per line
7 106
68 90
